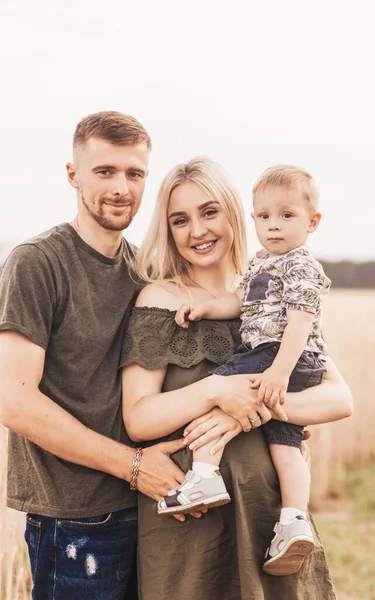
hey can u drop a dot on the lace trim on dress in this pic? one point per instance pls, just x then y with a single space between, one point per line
154 340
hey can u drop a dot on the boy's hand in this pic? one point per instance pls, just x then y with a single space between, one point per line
272 386
187 313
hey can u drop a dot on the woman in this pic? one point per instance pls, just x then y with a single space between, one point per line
196 249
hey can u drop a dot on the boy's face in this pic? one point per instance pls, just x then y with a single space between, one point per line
283 219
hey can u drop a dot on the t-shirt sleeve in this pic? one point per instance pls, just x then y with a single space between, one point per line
27 294
304 285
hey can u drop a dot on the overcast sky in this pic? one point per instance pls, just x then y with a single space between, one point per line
250 84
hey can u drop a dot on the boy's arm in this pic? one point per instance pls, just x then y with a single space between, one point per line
274 381
227 306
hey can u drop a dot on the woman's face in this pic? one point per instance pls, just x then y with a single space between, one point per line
199 226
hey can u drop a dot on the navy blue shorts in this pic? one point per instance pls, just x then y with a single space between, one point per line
308 372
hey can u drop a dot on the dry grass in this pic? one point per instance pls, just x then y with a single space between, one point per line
15 579
348 537
348 534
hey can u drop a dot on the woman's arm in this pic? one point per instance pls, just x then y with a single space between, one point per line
330 401
150 413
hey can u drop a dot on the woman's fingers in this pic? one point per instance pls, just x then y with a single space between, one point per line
306 434
222 442
206 438
197 423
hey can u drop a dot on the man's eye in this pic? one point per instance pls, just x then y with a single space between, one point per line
104 172
134 175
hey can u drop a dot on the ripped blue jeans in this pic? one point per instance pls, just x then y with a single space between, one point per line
83 559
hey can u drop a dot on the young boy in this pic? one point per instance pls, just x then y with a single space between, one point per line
279 301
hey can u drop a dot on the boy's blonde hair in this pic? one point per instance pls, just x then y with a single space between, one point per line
158 258
289 177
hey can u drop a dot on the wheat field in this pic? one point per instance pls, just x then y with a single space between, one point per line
349 328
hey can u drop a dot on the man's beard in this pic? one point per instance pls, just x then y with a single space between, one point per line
114 223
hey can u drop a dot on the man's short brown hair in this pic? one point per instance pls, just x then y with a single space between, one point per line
111 126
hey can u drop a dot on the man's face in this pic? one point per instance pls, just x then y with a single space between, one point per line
109 180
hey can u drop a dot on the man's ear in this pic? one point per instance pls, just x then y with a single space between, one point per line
314 222
71 172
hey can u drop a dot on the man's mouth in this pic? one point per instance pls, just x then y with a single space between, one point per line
205 245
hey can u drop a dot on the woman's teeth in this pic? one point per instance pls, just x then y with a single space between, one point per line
204 246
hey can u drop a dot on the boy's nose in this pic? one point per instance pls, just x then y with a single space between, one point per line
273 226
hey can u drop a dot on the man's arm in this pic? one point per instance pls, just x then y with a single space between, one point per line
28 412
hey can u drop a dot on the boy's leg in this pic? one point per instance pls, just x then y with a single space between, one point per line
203 485
82 559
294 477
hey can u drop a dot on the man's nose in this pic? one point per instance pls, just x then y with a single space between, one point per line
120 185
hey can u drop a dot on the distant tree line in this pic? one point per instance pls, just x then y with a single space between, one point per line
347 274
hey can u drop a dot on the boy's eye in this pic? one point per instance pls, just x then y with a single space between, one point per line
264 216
287 215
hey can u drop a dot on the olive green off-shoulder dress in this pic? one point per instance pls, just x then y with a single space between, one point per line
220 555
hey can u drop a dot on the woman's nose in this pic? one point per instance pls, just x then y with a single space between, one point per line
198 228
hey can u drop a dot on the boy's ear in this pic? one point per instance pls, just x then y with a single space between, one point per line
253 215
314 222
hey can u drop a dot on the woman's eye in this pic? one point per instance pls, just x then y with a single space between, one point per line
210 212
179 222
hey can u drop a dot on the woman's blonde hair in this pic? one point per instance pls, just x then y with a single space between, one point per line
158 258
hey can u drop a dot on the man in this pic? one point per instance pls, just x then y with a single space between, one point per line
65 297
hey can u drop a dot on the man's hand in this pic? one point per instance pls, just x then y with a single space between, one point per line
272 385
158 474
187 313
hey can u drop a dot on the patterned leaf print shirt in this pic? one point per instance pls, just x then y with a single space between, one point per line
272 285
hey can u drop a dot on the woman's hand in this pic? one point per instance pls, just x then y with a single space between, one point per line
234 395
207 428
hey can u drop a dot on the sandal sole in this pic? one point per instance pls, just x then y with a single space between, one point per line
187 508
290 560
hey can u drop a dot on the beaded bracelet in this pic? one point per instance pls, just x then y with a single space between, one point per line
135 468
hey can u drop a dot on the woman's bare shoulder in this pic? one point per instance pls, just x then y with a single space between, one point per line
163 294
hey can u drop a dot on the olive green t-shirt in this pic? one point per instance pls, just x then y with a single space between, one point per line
73 302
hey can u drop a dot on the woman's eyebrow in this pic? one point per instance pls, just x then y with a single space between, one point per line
201 207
